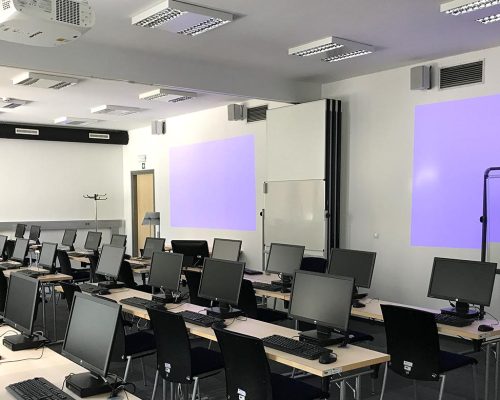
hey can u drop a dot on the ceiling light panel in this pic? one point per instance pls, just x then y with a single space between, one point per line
182 18
44 81
115 110
72 121
316 47
346 56
490 19
458 7
167 95
7 103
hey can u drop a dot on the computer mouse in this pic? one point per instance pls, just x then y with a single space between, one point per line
219 325
327 358
484 328
102 292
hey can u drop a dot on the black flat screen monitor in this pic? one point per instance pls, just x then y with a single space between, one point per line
324 300
226 249
69 237
3 241
221 281
88 342
110 261
20 250
284 258
93 241
20 307
353 263
20 229
195 251
166 269
35 232
48 256
463 281
118 240
151 245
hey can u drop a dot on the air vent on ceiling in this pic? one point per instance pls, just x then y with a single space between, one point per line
26 131
460 75
44 81
68 11
99 136
255 114
5 4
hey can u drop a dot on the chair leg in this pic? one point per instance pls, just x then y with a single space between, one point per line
155 385
195 388
164 389
474 381
415 394
441 389
143 372
382 391
125 376
172 391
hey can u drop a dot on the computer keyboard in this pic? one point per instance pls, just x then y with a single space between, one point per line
199 319
453 320
10 265
266 286
141 303
31 273
37 389
80 253
295 347
88 288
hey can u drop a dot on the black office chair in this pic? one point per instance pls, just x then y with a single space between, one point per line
248 304
177 362
69 290
9 249
65 265
248 371
413 344
193 281
126 275
3 291
314 264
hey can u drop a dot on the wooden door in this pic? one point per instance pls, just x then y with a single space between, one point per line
143 200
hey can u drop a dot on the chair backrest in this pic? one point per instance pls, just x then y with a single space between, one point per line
412 342
247 370
64 262
3 291
9 249
93 261
247 302
173 350
314 264
193 281
69 290
126 275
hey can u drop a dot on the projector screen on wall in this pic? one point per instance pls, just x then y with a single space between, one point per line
455 142
212 184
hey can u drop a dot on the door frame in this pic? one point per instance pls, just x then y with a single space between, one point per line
133 179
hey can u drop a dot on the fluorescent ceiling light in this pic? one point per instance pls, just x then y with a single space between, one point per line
182 18
458 7
44 81
345 56
115 110
489 19
316 47
168 95
72 121
8 103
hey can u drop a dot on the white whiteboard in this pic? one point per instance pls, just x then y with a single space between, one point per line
295 213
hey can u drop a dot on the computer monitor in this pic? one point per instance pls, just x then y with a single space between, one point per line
69 237
93 241
118 240
20 250
226 249
284 259
48 256
151 245
463 281
109 265
221 281
20 312
35 232
194 251
166 269
20 229
3 241
324 300
88 342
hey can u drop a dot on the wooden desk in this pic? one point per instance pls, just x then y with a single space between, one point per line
51 366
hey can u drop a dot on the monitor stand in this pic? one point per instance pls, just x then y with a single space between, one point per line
285 282
87 384
24 342
111 284
322 337
224 311
461 310
356 296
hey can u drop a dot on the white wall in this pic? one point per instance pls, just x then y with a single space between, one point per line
378 119
191 128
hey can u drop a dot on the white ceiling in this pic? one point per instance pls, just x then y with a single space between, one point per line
248 58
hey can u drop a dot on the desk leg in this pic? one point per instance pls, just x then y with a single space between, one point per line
143 276
358 387
44 322
325 384
54 310
487 372
497 355
342 390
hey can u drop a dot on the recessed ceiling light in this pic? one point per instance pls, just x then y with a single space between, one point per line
44 81
458 7
8 103
182 18
115 110
345 56
73 121
316 47
168 95
489 19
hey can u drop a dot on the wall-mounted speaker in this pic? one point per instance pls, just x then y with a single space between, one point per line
236 112
420 78
159 127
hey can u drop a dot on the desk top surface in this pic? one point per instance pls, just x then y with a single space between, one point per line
51 366
46 278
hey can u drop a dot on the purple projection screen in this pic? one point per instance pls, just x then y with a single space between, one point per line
212 184
455 142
